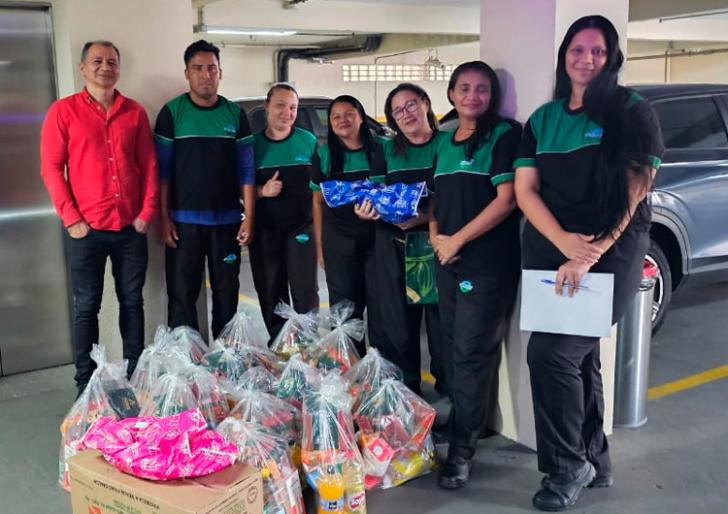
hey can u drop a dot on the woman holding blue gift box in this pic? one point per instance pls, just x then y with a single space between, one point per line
345 243
474 230
410 158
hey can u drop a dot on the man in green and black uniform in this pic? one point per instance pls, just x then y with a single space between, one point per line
284 251
205 168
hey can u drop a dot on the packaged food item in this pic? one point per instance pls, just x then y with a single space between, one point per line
108 394
395 439
328 445
297 379
259 356
257 379
188 341
223 362
275 415
172 394
269 453
211 399
298 333
331 492
368 375
154 448
154 362
395 203
336 350
241 331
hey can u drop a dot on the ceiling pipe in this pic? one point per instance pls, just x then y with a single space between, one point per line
284 55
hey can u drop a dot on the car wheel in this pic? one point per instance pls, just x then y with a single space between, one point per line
663 285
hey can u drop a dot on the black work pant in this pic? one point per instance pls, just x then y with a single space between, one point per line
401 320
185 266
565 370
279 260
127 250
473 308
350 267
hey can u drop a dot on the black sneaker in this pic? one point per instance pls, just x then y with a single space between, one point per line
557 496
455 472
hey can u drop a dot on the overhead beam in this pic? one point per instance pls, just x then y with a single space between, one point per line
649 9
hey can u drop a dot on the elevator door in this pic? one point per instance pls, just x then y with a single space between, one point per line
34 302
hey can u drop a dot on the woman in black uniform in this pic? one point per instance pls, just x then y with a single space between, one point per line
345 243
283 253
474 230
586 163
410 157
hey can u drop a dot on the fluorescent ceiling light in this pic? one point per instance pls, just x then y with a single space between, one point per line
700 14
243 31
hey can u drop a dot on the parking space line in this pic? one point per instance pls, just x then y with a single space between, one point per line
688 382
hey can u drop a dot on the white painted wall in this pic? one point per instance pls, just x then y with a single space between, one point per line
317 79
695 69
247 71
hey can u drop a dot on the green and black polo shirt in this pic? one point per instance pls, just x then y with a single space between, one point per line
204 155
416 164
465 186
356 167
291 158
564 145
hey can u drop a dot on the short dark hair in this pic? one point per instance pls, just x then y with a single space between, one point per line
280 86
88 44
200 47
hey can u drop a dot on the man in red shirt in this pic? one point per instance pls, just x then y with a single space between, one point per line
99 166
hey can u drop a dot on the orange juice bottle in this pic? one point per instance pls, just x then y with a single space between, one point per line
331 492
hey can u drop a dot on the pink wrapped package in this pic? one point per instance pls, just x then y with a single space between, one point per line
167 448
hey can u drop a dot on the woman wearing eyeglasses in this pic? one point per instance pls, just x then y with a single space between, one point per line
474 230
346 243
283 253
585 166
410 157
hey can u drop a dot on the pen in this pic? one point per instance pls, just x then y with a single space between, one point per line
567 284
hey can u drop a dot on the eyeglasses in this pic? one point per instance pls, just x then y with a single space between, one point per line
410 106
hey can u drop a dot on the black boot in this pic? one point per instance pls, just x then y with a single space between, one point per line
559 493
455 472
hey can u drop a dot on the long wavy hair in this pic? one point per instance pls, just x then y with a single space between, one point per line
336 145
605 102
488 120
401 143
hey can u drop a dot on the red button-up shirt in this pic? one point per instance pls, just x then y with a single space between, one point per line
98 166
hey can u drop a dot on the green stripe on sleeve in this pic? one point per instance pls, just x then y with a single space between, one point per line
314 187
163 140
503 177
245 140
525 162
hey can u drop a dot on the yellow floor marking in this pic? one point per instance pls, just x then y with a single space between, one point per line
689 382
427 377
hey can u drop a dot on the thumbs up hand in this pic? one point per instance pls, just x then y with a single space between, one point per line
273 186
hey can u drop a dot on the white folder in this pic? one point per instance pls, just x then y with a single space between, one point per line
587 313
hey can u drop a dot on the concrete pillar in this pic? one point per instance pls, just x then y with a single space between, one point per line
520 39
151 37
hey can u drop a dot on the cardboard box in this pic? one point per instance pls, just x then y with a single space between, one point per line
97 487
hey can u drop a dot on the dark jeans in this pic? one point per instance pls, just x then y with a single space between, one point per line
185 266
87 261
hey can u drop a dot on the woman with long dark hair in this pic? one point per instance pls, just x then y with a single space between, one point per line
410 158
586 164
283 253
474 230
345 243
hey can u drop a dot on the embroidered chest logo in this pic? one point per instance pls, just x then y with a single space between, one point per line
230 129
467 162
595 133
301 158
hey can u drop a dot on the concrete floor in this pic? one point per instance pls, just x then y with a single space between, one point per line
676 463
